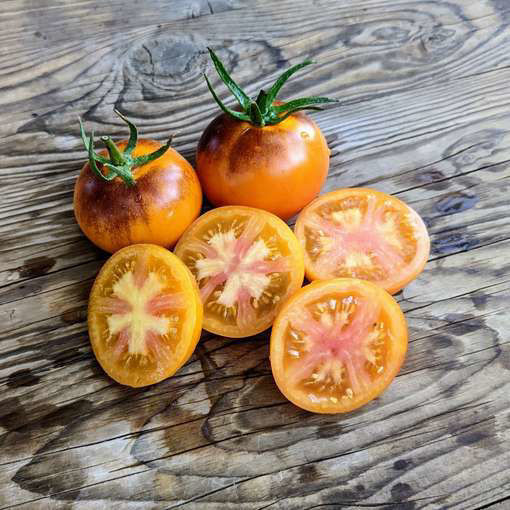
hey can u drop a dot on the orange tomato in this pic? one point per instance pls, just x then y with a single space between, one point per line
144 316
247 262
278 168
363 233
165 198
337 344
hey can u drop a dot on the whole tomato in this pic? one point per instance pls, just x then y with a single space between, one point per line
268 155
145 192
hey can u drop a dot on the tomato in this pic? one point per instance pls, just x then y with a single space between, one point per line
157 203
144 316
277 168
337 344
266 154
363 233
247 263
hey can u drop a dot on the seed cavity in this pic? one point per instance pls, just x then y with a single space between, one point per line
239 270
360 237
294 353
135 319
341 345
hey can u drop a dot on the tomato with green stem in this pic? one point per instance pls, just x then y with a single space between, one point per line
269 155
139 191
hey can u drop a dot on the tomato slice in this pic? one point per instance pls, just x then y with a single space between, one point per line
363 233
144 316
247 262
337 344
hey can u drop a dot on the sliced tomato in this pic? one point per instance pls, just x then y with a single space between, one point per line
337 344
145 315
247 262
363 233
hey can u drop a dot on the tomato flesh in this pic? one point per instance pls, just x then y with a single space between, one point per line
144 315
337 344
247 262
363 234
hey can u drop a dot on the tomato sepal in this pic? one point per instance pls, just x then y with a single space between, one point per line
121 163
263 111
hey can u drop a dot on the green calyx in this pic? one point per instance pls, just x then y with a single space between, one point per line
121 163
262 111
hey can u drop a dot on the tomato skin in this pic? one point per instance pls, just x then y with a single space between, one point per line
165 199
276 168
397 325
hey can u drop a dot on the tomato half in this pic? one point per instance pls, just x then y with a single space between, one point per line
277 168
247 263
164 199
144 316
363 233
337 344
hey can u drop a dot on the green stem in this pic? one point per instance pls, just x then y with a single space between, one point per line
120 163
263 111
256 116
133 133
115 154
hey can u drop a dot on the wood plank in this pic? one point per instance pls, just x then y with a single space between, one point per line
353 121
241 403
474 202
424 116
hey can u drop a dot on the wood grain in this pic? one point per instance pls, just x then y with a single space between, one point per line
424 114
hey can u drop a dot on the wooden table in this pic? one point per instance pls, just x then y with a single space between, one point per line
425 115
